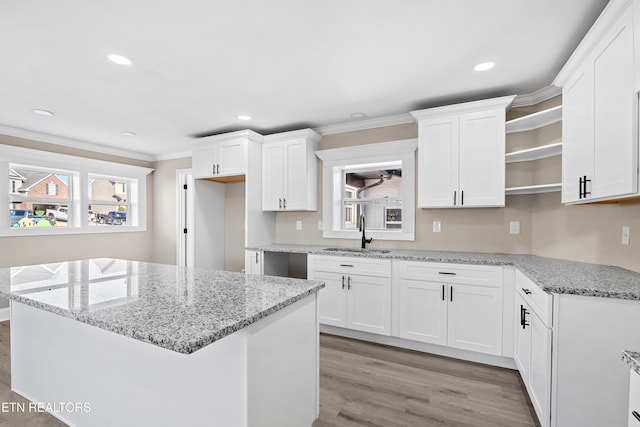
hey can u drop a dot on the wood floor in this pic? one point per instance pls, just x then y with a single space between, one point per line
365 384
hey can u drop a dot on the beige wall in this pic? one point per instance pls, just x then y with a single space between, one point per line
163 209
548 228
234 218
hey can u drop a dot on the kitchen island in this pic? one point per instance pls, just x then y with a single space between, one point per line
105 342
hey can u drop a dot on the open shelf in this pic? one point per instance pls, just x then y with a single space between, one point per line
535 120
534 189
536 153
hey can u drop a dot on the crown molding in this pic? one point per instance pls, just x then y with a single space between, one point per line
247 133
388 148
308 134
73 143
399 119
465 107
172 156
536 97
605 21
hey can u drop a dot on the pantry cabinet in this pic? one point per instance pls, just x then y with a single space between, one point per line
290 171
221 156
459 306
600 116
357 292
461 153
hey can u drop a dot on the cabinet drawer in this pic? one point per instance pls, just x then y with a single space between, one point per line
350 265
539 301
450 273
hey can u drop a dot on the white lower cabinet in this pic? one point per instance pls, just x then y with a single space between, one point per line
634 399
461 310
253 262
356 301
533 346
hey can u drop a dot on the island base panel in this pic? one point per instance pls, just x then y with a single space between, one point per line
128 382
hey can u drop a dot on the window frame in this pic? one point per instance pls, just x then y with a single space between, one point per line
336 160
79 169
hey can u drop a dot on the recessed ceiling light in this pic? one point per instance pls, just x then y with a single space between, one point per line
42 112
244 117
358 115
484 66
119 59
128 133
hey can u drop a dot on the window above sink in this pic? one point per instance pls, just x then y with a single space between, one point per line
374 180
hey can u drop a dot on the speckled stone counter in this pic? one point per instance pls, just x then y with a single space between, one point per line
180 309
552 275
632 358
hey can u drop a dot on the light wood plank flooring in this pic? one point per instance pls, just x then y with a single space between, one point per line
365 384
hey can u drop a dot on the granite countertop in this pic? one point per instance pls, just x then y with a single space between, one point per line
177 308
632 358
551 274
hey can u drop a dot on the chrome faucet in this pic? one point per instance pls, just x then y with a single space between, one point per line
362 229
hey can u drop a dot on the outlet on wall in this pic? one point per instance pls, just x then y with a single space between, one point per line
298 225
625 234
437 226
514 227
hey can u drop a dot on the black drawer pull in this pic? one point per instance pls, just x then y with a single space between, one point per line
447 273
636 415
346 265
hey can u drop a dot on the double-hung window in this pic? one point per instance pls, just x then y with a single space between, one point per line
50 193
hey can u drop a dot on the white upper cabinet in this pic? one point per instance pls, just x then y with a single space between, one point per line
224 155
461 153
600 116
290 171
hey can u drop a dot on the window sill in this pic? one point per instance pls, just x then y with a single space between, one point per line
376 235
57 231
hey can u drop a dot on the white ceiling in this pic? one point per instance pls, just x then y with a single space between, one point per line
288 64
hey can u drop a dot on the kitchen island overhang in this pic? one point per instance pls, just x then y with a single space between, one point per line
229 349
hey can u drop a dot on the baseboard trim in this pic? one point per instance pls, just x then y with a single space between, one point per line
5 314
487 359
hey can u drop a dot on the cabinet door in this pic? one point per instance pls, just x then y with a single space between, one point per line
540 371
523 338
332 307
203 163
253 262
615 114
482 154
295 176
272 176
475 318
438 162
423 311
231 156
369 304
577 135
634 398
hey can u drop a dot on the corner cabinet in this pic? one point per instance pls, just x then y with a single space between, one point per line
461 153
221 156
600 111
290 171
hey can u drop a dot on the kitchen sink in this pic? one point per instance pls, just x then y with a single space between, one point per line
358 250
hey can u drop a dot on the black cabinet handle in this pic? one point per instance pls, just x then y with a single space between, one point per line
526 291
447 273
580 192
346 265
284 202
462 198
349 283
521 315
585 180
442 292
342 282
256 257
454 197
451 294
636 415
218 169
